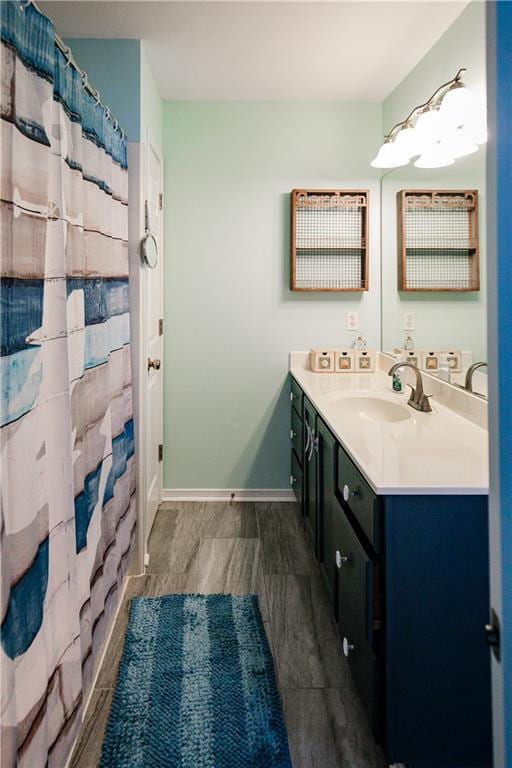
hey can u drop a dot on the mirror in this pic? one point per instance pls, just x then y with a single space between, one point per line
453 319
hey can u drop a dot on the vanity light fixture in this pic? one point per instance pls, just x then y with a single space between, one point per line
445 127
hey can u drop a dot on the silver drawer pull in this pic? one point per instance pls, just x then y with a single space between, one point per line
292 434
340 559
293 480
347 493
347 647
292 397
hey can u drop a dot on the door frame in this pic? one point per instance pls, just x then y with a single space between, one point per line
150 145
499 300
137 169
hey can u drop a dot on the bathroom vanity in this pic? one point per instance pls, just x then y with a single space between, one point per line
395 505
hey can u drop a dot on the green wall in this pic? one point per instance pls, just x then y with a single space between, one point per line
120 71
230 316
114 68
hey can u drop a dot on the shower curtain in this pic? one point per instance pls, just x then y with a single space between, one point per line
67 464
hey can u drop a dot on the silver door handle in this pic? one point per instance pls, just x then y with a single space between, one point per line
313 446
308 440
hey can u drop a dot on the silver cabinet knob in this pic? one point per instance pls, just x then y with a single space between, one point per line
340 559
154 363
347 647
347 493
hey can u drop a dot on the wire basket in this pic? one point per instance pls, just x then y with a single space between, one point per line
329 240
438 240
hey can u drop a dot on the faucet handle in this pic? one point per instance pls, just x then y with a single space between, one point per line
424 403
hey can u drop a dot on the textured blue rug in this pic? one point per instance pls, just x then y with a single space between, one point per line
196 688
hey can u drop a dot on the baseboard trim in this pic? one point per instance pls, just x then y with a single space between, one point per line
222 494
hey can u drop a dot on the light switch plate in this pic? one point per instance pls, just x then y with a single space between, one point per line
352 321
409 321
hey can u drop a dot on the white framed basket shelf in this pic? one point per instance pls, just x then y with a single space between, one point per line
438 248
329 240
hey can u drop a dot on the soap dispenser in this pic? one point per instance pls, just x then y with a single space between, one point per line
397 381
443 369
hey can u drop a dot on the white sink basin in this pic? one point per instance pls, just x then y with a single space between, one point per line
375 409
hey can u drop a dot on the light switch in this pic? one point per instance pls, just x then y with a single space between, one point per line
409 321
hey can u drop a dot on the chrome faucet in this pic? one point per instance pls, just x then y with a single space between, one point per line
468 384
418 398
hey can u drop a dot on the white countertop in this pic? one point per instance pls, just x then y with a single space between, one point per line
442 452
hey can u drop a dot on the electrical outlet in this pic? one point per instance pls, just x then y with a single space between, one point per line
352 321
409 323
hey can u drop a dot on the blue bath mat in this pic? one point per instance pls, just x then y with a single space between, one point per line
196 688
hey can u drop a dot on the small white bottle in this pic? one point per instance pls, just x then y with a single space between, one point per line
443 369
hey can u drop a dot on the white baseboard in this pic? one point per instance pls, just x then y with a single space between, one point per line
221 494
99 665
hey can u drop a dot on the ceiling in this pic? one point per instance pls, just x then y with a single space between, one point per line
347 51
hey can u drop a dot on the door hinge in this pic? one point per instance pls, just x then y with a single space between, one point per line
493 635
161 200
160 452
161 327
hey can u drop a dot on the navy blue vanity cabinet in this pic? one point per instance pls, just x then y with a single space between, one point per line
438 699
409 587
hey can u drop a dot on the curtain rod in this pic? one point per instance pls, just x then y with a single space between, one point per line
66 50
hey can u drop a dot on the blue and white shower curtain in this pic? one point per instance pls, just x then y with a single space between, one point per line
67 464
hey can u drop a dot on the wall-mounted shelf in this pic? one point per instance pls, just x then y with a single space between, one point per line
329 242
438 240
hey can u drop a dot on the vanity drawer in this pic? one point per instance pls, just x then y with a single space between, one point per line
296 396
358 587
297 434
359 501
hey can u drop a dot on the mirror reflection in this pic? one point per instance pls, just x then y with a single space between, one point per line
434 245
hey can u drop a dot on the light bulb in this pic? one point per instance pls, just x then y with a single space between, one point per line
430 127
476 128
409 142
457 106
459 144
389 156
435 156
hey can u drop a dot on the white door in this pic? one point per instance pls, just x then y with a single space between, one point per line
153 341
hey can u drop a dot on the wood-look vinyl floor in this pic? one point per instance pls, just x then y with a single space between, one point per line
245 548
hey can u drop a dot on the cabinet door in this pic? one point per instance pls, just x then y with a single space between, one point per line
326 498
297 480
296 434
310 474
356 616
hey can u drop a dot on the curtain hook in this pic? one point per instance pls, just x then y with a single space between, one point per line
85 79
107 113
116 124
67 54
24 4
97 98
